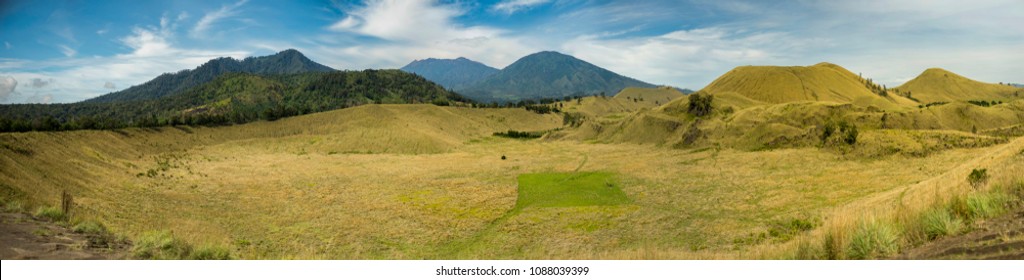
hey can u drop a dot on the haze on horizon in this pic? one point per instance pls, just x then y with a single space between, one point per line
77 50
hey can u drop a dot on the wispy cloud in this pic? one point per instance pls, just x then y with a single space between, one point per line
67 51
513 6
211 18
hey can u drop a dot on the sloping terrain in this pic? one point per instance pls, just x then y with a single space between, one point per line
940 85
450 73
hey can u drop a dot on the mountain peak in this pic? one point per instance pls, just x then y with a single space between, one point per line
450 73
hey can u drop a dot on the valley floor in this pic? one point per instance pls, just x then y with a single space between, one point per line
316 193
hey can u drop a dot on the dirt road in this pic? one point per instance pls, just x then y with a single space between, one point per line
24 237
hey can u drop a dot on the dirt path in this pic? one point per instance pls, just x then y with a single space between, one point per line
1001 238
23 237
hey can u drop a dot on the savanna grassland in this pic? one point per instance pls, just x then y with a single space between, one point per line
423 181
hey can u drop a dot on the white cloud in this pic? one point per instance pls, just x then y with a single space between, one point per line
67 51
513 6
416 29
211 18
7 86
146 42
152 52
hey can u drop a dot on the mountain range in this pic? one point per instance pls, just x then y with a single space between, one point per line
285 62
540 75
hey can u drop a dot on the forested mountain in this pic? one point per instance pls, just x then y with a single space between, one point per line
548 75
285 62
235 98
450 73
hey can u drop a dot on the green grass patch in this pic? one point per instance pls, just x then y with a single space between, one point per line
50 213
873 239
553 189
940 222
161 245
89 227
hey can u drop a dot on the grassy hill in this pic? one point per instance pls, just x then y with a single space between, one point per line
819 82
627 101
939 85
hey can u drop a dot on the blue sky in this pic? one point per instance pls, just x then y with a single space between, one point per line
67 51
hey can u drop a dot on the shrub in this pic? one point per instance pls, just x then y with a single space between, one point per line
843 131
873 239
700 104
940 222
978 178
50 213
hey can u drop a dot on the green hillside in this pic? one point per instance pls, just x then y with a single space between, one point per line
235 98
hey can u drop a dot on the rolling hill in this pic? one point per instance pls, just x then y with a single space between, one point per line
939 85
548 75
285 62
819 82
450 73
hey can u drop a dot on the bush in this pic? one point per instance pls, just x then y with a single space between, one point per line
842 131
700 104
50 213
872 240
978 178
940 222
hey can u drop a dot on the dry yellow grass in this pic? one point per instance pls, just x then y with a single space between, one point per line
939 85
819 82
359 183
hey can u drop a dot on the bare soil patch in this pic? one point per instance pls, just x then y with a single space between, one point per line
23 237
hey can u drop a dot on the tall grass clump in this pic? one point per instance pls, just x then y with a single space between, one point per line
162 245
873 239
939 222
986 205
50 213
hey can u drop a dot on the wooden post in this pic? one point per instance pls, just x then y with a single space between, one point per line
66 201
